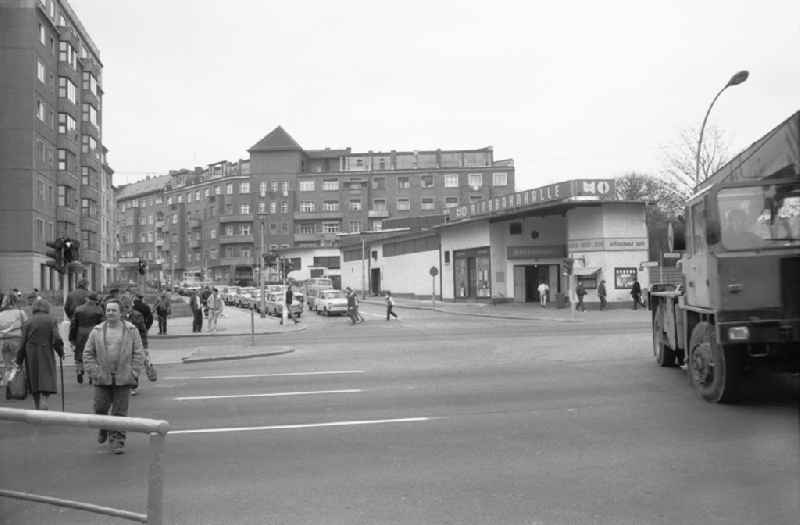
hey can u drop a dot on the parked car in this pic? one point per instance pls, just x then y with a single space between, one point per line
274 305
331 302
248 297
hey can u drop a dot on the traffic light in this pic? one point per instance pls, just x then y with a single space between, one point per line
142 266
57 255
71 251
566 265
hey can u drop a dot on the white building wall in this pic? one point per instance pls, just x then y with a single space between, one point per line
409 273
462 237
609 237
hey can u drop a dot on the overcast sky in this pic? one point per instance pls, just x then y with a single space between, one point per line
566 89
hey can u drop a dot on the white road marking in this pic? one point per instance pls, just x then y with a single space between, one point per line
273 394
245 376
305 425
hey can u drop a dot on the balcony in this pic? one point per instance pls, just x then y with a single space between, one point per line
317 215
235 218
310 237
235 261
235 239
194 243
195 224
378 214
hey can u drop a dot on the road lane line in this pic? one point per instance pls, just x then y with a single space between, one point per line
303 425
278 374
272 394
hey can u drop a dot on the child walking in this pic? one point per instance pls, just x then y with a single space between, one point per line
389 305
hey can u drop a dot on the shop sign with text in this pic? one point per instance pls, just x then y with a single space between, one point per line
582 189
609 244
536 252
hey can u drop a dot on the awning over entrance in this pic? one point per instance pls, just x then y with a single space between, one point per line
586 272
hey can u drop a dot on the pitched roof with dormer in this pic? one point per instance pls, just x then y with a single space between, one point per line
277 140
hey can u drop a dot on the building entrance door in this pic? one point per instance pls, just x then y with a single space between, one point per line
375 281
519 284
471 278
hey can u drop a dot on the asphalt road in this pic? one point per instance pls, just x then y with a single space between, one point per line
432 419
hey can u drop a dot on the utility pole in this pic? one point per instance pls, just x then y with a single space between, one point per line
261 270
363 269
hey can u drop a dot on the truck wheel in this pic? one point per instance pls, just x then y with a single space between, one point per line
715 370
665 356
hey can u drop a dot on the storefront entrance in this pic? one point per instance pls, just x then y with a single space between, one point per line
528 277
471 274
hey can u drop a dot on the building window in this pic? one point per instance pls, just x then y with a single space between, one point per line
330 206
89 145
89 82
228 208
403 204
285 188
229 230
330 185
39 230
40 110
306 185
229 188
66 124
217 190
451 180
426 181
428 203
63 164
305 227
500 179
515 228
355 226
330 227
41 74
262 189
89 114
85 176
379 205
212 233
377 226
169 200
379 183
284 207
244 209
245 229
66 89
174 218
88 208
244 187
207 192
355 205
42 35
476 180
273 207
180 198
245 252
475 198
189 196
262 207
403 182
273 186
306 206
197 195
285 228
451 202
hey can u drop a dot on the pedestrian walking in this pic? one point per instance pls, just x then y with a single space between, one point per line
288 300
636 294
12 318
601 293
163 310
204 295
76 298
86 317
138 315
580 291
544 293
113 358
389 306
40 340
197 312
352 305
215 307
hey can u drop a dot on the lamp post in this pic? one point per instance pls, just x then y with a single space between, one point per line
261 267
735 80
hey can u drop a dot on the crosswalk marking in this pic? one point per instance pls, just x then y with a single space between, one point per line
272 394
277 374
303 425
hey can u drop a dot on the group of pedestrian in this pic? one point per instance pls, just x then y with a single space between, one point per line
602 294
352 306
206 304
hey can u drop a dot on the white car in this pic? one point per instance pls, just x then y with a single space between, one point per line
331 302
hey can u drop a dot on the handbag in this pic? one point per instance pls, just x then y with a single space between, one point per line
17 386
150 370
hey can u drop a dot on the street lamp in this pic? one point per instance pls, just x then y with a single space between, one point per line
261 269
735 80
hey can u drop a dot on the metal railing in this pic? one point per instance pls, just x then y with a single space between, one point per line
157 429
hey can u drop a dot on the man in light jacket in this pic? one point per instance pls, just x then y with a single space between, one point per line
113 358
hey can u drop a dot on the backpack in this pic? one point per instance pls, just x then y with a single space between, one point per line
137 319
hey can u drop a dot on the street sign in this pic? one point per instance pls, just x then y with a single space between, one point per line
672 255
648 264
434 271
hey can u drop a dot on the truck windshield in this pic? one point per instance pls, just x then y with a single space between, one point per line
764 216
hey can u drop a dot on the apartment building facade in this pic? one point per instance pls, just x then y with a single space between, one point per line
217 220
55 178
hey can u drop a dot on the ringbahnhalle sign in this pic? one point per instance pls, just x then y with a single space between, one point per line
578 189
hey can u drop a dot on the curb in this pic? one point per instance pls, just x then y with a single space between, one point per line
490 316
222 334
233 357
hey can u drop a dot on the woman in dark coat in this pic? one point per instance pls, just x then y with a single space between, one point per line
39 340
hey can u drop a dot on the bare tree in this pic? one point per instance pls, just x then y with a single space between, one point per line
680 158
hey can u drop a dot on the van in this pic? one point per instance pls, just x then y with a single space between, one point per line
313 287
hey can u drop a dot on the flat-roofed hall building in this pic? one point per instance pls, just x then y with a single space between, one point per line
208 223
53 171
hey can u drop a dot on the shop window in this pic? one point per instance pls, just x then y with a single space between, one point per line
447 257
625 277
515 228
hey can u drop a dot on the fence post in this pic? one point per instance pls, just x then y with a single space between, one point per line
155 486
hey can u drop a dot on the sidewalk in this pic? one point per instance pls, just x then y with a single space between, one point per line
615 312
235 321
